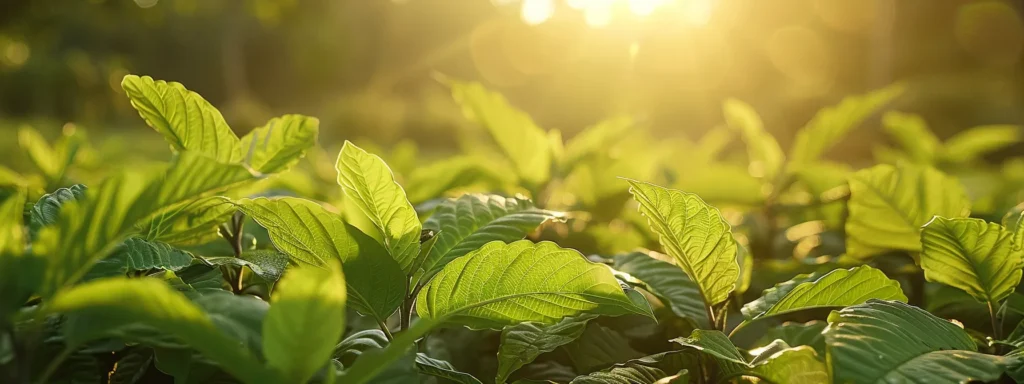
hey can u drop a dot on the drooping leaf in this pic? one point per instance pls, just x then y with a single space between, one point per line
466 223
443 369
280 143
185 119
972 143
305 321
599 347
525 144
522 343
972 255
645 370
839 288
695 234
114 302
90 228
831 124
194 223
308 233
130 368
667 281
888 341
46 211
889 205
505 284
369 184
765 154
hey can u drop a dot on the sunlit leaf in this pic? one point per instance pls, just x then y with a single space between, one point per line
47 209
765 154
375 361
970 144
839 288
595 139
454 173
972 255
797 334
194 223
443 369
667 281
280 143
505 284
645 370
800 365
522 343
266 263
912 132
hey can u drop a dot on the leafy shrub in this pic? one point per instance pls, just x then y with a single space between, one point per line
211 268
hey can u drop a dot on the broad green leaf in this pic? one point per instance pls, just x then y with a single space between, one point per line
150 302
889 205
90 228
194 223
375 361
140 255
505 284
912 132
599 347
714 343
668 282
185 119
831 124
266 263
369 184
800 365
839 288
280 143
972 255
306 319
354 345
443 369
310 234
972 143
525 144
797 334
453 174
130 368
522 343
892 342
766 157
467 223
695 234
47 209
645 370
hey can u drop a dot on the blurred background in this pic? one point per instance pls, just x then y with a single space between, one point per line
368 68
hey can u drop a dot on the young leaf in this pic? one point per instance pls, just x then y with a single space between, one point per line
831 124
765 154
972 143
466 223
90 228
668 282
695 234
47 209
306 319
645 370
310 234
888 341
839 288
369 184
972 255
280 143
443 369
187 121
522 343
505 284
111 303
524 143
888 205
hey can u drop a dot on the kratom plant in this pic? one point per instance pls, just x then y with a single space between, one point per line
199 272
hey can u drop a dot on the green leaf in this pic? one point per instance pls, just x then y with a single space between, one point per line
668 282
972 143
599 347
310 234
306 319
797 334
525 144
522 343
141 255
280 143
369 184
912 132
117 301
354 345
645 370
594 140
695 234
130 368
467 223
90 228
195 223
39 152
443 369
800 365
185 119
714 343
972 255
830 125
47 209
1015 225
505 284
888 341
766 157
454 173
889 205
12 230
838 288
266 263
376 361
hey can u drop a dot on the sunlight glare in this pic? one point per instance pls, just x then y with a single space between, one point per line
645 7
537 11
697 12
598 13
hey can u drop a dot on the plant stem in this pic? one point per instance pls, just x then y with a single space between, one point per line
384 328
55 364
997 332
405 313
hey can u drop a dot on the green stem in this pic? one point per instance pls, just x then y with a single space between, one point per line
997 332
55 364
384 328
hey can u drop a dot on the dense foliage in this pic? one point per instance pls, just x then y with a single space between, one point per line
257 259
